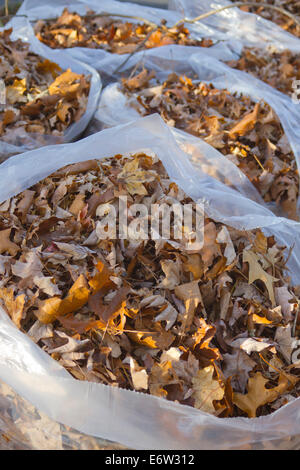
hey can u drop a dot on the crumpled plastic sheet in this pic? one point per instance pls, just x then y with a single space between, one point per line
250 29
106 62
133 419
24 427
115 108
22 30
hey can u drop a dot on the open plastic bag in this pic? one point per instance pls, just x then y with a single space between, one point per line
249 28
134 419
24 427
107 62
115 108
23 31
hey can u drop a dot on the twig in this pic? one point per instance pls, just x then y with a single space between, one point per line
6 7
236 5
139 46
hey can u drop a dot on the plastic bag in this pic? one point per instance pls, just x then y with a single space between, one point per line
115 108
107 62
134 419
23 427
23 31
249 28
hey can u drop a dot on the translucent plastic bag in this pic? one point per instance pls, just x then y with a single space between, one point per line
115 108
107 62
134 419
24 427
22 30
249 28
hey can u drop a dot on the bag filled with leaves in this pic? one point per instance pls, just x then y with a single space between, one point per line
247 121
112 36
277 16
268 52
45 100
206 333
250 28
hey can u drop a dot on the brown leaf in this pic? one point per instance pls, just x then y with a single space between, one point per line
6 246
258 394
191 295
206 390
246 124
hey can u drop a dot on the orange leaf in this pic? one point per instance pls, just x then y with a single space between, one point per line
14 306
54 307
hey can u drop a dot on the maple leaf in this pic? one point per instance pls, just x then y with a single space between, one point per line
206 390
257 272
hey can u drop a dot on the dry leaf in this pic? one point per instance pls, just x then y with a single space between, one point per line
206 390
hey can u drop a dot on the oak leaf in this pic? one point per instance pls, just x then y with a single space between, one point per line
206 390
258 395
6 245
257 272
191 295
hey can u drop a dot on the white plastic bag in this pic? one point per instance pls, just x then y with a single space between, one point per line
250 29
107 62
134 419
22 30
115 108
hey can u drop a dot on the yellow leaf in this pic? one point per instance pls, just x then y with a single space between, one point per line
54 307
66 83
14 306
15 92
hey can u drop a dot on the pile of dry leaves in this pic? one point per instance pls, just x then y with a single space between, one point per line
291 6
41 99
215 328
278 69
99 31
247 133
